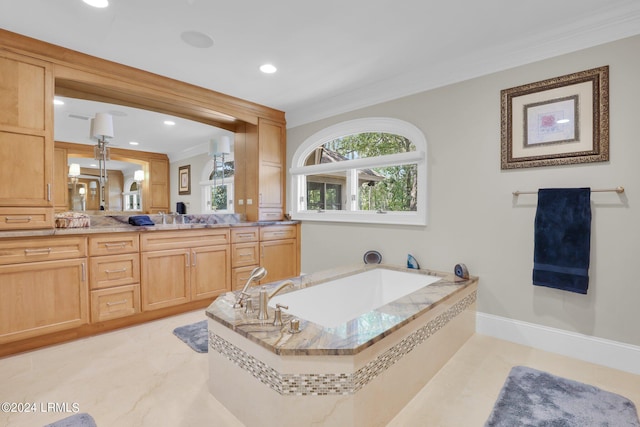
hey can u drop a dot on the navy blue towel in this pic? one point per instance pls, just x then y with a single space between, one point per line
140 220
563 239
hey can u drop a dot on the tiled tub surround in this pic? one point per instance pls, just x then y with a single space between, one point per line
360 373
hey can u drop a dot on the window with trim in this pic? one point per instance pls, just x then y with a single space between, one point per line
217 186
366 170
133 197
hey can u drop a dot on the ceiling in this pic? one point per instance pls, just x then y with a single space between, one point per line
332 56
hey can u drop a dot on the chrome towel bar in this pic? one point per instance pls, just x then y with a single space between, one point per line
618 190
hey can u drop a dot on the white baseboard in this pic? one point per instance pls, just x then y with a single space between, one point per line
613 354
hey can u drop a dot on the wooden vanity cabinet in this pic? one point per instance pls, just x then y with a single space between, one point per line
245 254
43 286
182 266
114 275
26 142
279 251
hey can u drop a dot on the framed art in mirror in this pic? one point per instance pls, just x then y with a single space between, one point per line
559 121
184 180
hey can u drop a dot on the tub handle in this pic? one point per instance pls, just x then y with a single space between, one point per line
277 321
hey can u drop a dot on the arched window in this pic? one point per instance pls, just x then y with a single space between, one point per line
132 195
367 170
217 186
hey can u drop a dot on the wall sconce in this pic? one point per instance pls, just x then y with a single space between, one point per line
74 172
138 176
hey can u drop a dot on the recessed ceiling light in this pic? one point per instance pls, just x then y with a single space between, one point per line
196 39
93 165
169 123
133 143
268 68
97 3
58 102
562 121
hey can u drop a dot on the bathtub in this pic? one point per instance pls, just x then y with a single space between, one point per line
371 337
340 300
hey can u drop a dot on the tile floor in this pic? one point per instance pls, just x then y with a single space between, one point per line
144 376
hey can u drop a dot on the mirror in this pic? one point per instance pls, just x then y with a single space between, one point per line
123 191
139 131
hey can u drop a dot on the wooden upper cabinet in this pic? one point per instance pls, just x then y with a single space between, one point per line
158 187
26 88
260 178
271 165
26 141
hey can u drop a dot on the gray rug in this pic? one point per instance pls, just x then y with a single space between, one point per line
195 335
534 398
75 420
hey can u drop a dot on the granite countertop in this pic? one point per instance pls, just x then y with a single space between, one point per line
315 339
120 224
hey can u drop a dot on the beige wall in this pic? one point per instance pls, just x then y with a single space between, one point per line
193 200
473 217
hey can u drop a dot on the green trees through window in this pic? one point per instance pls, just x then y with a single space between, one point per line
363 170
390 188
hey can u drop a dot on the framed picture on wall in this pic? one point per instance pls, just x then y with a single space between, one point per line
559 121
184 180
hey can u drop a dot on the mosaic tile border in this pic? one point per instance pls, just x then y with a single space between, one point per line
335 384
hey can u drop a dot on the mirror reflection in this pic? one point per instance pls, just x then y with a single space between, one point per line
122 189
126 184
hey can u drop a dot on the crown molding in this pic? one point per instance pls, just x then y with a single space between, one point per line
588 32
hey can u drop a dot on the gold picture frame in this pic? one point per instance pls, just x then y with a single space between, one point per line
559 121
184 180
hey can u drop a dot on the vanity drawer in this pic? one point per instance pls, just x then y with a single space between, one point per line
277 232
117 302
114 270
163 240
270 215
244 234
113 244
25 218
243 254
14 251
239 277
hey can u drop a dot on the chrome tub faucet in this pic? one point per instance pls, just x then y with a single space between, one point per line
257 274
265 297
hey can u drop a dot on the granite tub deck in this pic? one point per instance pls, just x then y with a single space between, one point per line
360 373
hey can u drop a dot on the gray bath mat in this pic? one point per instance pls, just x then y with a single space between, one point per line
534 398
75 420
195 335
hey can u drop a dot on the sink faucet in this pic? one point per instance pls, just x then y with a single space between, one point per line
258 273
264 299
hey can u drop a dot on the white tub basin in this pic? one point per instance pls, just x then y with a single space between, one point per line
335 302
